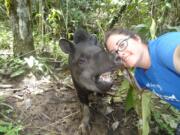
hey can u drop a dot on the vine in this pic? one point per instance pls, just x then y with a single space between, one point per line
8 6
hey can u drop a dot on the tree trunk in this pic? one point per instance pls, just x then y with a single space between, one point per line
20 14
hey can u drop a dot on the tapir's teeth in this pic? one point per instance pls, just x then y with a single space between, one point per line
106 77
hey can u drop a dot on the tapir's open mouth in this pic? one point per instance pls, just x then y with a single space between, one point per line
105 78
104 81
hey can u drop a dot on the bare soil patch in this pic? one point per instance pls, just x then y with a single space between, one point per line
52 108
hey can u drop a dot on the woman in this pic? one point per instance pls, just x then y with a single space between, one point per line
157 63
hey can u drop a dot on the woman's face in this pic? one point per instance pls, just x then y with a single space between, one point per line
128 49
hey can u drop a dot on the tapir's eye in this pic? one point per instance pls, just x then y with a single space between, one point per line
82 60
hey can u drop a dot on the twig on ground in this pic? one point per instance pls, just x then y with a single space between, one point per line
5 86
56 122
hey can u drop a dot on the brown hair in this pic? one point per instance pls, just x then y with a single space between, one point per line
118 31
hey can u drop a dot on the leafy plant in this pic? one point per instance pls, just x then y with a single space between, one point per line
8 126
12 67
165 116
16 67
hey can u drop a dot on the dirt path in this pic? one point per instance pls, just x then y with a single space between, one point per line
48 108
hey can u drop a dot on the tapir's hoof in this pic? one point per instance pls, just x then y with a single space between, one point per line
84 129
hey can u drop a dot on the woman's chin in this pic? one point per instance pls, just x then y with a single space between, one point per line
130 65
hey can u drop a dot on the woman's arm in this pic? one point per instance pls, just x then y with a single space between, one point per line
176 58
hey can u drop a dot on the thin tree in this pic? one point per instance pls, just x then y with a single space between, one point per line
20 15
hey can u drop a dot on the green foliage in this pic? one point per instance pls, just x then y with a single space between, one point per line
66 16
8 5
165 116
163 125
129 100
146 112
51 50
60 19
8 126
16 67
53 21
3 11
141 103
5 36
153 29
12 67
64 58
151 111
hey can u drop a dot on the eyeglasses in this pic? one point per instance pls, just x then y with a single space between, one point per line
122 45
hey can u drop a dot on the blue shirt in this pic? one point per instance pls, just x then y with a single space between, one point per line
162 78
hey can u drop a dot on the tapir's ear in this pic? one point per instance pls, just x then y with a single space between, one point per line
66 46
80 35
94 40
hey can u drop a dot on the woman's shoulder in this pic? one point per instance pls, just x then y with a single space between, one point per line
168 35
170 38
163 48
166 42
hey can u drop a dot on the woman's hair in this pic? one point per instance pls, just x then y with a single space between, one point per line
119 31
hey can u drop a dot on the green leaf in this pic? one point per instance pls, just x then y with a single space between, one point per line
17 73
124 85
168 5
153 29
177 28
3 129
146 112
169 119
9 129
129 100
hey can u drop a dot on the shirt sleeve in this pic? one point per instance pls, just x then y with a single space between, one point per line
166 48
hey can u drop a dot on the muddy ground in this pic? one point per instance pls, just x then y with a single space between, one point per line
46 107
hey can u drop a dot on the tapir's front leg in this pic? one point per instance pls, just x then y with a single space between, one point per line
85 127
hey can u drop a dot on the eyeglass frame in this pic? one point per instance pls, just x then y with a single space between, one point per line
119 44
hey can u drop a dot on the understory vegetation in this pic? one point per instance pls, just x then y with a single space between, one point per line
59 19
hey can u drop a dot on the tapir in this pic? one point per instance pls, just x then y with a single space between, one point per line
90 66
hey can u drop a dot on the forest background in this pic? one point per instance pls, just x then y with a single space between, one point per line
30 30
